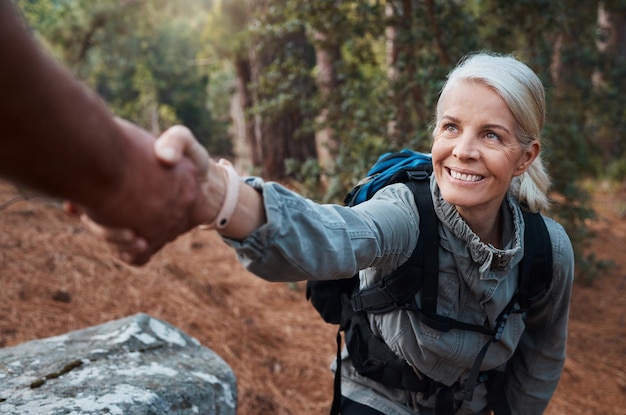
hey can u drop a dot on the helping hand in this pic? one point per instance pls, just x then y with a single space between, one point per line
186 208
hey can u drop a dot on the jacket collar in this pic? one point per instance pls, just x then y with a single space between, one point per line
486 256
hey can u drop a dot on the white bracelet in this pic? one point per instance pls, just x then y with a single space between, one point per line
230 198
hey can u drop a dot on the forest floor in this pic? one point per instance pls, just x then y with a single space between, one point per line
55 277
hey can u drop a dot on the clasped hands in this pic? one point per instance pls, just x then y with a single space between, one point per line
190 192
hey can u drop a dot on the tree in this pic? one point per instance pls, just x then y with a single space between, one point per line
424 40
226 49
328 58
282 84
609 84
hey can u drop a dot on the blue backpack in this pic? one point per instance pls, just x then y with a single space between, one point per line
390 168
341 302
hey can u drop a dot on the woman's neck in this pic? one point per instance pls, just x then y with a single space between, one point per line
487 226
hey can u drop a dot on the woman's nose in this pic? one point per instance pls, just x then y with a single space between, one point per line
466 146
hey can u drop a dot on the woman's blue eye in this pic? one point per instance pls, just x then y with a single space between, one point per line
492 136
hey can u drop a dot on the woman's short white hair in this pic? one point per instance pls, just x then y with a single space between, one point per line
522 91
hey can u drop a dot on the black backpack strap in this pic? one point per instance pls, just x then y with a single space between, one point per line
474 375
429 235
445 324
535 273
325 296
496 392
421 270
373 358
336 404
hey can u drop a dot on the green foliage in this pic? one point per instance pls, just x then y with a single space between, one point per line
142 57
285 82
220 92
38 13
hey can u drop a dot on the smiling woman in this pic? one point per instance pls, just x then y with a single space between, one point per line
522 94
487 171
476 154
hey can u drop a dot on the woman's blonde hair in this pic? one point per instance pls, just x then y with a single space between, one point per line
522 91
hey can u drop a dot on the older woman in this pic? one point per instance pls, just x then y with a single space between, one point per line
485 153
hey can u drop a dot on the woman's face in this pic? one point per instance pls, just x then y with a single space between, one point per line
475 151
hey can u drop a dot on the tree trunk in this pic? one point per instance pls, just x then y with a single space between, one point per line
279 132
247 142
408 94
327 54
612 28
611 76
241 147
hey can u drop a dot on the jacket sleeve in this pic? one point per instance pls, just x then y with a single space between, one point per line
304 240
536 367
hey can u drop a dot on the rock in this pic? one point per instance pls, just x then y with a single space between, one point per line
132 366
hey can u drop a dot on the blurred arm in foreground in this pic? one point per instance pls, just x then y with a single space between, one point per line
58 137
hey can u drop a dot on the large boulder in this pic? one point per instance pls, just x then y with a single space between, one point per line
134 366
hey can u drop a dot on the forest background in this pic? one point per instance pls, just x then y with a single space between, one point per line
310 93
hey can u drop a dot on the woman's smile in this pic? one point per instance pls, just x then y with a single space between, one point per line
464 177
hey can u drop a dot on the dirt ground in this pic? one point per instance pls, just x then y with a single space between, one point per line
55 277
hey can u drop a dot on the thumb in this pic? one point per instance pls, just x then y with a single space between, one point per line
179 141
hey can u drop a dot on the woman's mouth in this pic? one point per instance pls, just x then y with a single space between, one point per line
464 177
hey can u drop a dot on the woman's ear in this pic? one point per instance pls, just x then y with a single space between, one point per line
528 156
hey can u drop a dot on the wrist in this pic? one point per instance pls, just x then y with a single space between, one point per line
222 195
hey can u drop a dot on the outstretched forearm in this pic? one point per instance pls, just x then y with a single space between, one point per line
57 136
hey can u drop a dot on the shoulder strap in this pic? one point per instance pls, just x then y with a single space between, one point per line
421 270
535 273
429 235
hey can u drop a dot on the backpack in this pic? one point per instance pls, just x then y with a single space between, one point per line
341 302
